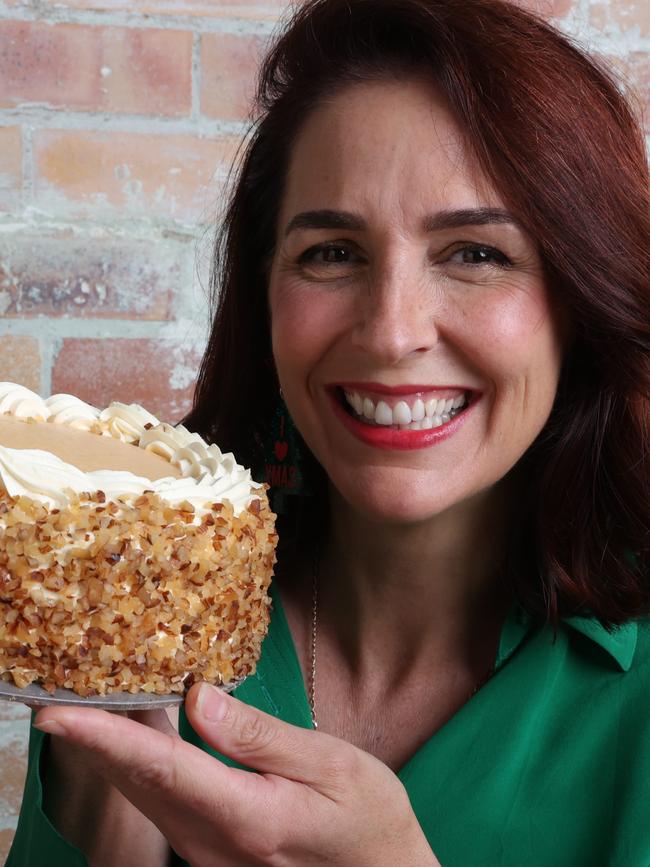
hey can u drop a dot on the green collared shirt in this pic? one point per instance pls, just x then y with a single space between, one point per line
548 765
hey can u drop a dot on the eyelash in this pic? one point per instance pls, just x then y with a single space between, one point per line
502 261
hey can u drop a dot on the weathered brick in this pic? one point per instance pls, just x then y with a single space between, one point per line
159 374
259 9
228 67
20 361
66 273
113 69
625 15
14 733
94 173
549 8
10 167
6 836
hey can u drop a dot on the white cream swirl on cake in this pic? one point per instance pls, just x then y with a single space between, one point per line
133 554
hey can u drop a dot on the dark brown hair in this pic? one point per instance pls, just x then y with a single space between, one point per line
558 140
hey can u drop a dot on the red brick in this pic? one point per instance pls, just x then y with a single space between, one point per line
229 65
92 173
6 836
10 167
14 733
259 9
621 15
158 374
549 8
20 361
95 68
65 274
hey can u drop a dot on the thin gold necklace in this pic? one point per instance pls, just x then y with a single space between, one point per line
314 631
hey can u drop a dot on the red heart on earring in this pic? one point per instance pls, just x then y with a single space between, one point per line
281 449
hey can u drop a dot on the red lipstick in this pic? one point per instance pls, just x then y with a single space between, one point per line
388 438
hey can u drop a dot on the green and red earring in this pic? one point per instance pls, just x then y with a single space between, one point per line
283 459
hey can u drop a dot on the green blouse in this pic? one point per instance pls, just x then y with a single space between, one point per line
548 765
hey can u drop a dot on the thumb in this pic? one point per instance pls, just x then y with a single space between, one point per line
266 744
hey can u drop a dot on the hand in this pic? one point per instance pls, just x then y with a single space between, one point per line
316 799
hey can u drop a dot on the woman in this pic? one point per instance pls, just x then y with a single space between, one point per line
439 254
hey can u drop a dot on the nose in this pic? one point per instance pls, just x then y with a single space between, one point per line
398 315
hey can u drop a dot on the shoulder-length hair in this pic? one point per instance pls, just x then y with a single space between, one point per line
555 136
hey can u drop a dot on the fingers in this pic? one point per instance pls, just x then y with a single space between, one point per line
267 744
155 719
152 768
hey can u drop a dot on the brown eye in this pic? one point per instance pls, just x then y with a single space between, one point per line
477 254
333 254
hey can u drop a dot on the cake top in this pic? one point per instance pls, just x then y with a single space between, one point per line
54 447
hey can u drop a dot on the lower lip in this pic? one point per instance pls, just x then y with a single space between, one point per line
399 440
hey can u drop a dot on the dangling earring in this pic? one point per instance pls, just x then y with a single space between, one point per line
283 459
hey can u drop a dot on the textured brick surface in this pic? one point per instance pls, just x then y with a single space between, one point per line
100 68
621 15
10 167
94 173
262 9
14 731
158 374
548 8
68 274
20 361
228 64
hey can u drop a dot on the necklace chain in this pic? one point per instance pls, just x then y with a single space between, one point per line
314 630
314 627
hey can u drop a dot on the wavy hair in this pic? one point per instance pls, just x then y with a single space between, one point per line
556 137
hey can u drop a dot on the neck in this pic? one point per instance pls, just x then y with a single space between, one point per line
395 596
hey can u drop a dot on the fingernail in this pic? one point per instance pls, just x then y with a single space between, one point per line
210 703
51 727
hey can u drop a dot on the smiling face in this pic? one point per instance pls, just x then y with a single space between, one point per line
413 334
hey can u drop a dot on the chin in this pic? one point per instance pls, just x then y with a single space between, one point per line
396 500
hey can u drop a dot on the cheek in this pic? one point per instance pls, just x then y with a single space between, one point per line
304 324
521 348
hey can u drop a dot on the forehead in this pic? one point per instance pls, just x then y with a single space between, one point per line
384 145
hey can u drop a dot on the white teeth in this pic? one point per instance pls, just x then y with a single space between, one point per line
383 414
418 416
401 413
417 411
356 401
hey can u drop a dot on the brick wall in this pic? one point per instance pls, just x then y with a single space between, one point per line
118 119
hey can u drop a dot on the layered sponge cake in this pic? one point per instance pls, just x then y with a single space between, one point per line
133 555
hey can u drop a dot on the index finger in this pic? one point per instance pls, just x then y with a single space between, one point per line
150 766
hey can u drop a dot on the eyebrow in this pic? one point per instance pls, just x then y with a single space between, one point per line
451 219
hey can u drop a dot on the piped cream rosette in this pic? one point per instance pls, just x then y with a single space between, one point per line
112 579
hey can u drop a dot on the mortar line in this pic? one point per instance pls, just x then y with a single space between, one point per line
55 328
195 113
49 348
200 24
27 167
46 117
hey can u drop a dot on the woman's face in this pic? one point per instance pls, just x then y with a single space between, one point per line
415 340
